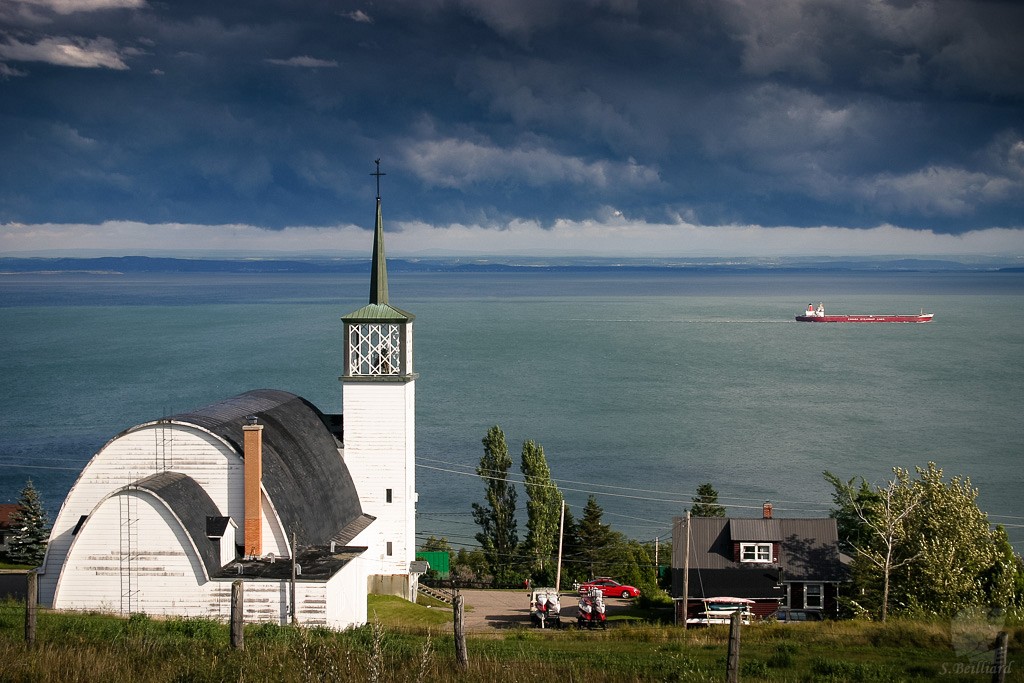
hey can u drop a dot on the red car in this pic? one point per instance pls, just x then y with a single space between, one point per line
610 588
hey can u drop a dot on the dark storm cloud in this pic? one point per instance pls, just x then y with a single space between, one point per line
794 112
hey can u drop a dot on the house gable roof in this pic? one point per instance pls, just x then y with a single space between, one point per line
755 529
7 511
303 473
808 548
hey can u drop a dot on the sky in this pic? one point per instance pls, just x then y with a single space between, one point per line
531 127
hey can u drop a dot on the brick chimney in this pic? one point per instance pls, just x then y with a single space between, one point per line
253 467
766 510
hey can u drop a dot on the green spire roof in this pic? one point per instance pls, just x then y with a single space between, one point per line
379 310
379 266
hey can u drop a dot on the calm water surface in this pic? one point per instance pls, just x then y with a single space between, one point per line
640 386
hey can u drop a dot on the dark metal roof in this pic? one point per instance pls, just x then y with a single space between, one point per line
379 313
216 526
317 564
379 265
193 506
305 477
346 535
809 548
755 529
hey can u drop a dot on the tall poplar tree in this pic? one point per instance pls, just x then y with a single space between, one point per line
543 511
27 544
497 519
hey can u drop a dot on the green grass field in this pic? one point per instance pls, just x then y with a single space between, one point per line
408 642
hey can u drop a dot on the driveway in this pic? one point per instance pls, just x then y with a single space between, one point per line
509 608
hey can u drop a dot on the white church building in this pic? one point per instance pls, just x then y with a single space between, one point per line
310 511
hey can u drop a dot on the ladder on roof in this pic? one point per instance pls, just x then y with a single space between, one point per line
129 551
162 451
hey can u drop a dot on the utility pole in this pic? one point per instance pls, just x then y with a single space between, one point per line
686 572
561 534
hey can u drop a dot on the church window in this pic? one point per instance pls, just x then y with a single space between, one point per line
389 548
387 495
374 349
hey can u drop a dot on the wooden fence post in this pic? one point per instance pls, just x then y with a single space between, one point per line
732 666
31 604
461 655
999 659
237 615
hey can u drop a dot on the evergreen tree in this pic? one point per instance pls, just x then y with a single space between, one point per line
574 566
497 519
705 503
543 512
594 536
28 543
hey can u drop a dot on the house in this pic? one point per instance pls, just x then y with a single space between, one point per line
774 562
311 511
7 529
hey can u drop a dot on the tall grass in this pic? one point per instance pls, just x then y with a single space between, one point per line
90 647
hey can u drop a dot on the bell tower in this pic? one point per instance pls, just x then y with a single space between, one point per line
379 409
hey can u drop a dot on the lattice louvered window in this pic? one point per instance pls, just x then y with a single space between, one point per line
374 349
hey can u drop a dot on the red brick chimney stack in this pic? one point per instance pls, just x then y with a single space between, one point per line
253 454
767 510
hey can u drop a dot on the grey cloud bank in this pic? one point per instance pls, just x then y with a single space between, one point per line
705 125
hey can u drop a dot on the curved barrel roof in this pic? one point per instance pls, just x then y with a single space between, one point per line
303 473
193 506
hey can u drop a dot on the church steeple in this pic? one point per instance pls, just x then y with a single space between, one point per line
379 265
379 406
378 336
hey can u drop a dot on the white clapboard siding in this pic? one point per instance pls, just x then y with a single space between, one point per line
380 445
134 455
132 555
139 453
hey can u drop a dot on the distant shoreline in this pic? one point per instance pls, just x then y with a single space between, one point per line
111 265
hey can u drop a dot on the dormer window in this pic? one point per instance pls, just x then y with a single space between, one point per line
755 552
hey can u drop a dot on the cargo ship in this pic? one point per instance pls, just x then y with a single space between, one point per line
817 315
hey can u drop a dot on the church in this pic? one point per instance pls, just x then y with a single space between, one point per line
310 511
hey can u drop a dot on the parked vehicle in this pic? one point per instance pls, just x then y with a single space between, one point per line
788 616
719 611
545 608
610 588
590 612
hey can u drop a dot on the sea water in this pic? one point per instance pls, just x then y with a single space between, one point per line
640 385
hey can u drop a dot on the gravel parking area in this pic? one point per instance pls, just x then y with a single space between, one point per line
509 608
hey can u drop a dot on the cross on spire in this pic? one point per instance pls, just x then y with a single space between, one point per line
378 174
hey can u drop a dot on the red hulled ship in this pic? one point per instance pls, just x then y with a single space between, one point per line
817 315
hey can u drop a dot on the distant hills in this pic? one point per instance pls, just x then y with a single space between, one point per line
147 264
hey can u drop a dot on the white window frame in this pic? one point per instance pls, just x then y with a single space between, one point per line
820 596
759 552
